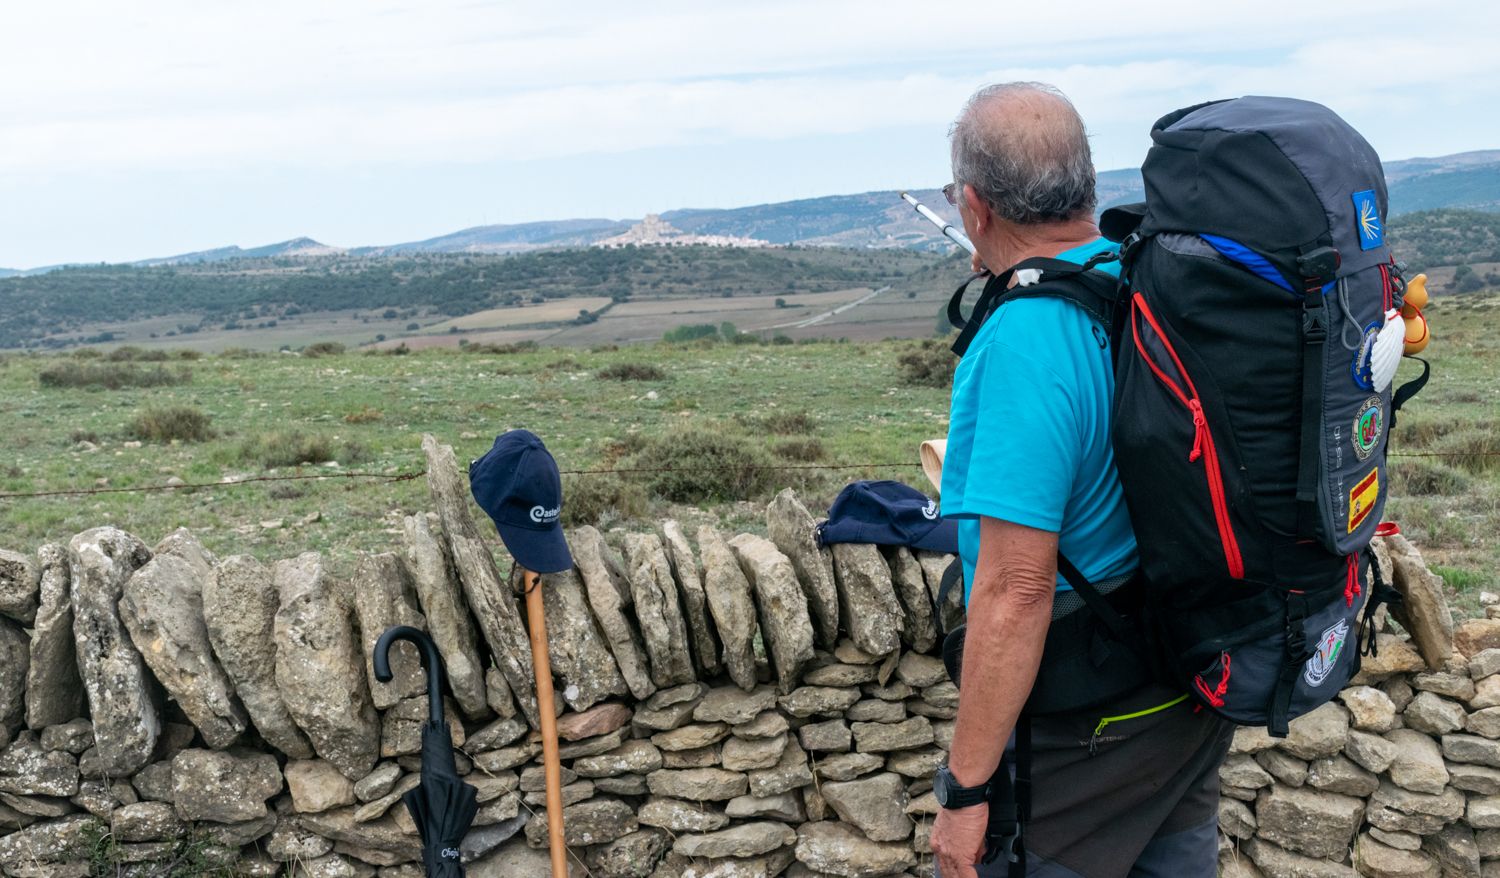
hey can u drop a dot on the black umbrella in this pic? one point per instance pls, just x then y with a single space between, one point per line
443 806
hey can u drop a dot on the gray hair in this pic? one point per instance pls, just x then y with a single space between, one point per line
1030 162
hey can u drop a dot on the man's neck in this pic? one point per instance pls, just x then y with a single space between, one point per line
1014 243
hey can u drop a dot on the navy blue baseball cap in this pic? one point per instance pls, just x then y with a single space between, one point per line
517 484
888 514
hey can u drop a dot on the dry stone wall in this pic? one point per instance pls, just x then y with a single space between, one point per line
733 706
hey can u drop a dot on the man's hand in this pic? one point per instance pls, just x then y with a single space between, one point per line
958 840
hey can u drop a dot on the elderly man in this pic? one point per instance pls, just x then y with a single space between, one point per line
1127 787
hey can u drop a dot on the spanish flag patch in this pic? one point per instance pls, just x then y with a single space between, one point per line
1362 499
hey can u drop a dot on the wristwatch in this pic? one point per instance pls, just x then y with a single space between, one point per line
953 795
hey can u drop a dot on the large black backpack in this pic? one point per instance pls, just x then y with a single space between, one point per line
1250 439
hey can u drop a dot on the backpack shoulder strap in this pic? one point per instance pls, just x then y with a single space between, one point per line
1094 291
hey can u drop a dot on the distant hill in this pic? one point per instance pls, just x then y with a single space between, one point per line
8 272
1432 238
295 247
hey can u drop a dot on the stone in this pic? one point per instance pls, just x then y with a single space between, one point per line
375 784
513 859
1382 861
766 866
695 612
1276 862
742 840
1484 664
768 724
1483 812
745 754
572 793
319 669
873 710
1339 774
594 746
918 629
1236 820
633 855
385 597
579 653
598 720
20 586
1398 690
790 773
239 609
73 737
503 759
691 737
867 598
809 701
677 815
622 785
697 784
1371 752
1402 841
886 737
162 608
223 787
534 778
239 834
663 628
728 592
1399 810
1456 851
1242 770
829 736
920 671
1369 709
845 651
499 810
1394 655
1472 749
1250 740
119 689
1434 715
146 821
1486 693
1423 610
1418 765
1317 733
41 849
1480 779
38 806
1473 636
490 787
385 835
377 808
447 617
1485 723
785 624
633 757
317 785
698 757
876 805
848 766
840 674
290 841
1284 767
729 704
494 608
480 840
916 764
786 807
1453 685
610 598
54 691
499 733
794 532
597 821
1489 843
834 848
1318 824
15 662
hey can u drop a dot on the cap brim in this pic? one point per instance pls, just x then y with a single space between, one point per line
942 538
540 551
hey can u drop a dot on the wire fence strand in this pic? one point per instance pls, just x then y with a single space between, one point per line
408 476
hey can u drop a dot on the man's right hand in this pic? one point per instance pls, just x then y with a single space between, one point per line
958 840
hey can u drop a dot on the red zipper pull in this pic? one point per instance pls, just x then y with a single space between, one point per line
1351 583
1200 426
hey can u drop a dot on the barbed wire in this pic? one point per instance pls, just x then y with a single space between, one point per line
409 476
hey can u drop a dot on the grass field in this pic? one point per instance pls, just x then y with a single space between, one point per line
731 408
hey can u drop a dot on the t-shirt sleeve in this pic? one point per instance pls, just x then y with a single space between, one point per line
1019 440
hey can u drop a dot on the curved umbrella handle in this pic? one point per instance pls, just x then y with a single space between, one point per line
431 657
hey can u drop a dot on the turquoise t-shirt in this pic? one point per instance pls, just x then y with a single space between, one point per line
1028 433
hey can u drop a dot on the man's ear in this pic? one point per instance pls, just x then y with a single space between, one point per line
979 209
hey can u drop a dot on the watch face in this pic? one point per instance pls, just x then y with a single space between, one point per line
941 783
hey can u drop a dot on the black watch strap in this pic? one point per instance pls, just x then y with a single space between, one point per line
952 795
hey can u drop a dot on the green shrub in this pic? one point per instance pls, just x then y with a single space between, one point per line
696 464
632 372
188 354
602 498
1475 449
323 349
179 423
802 450
929 363
132 354
279 448
239 354
110 376
1426 477
691 332
366 415
78 436
517 347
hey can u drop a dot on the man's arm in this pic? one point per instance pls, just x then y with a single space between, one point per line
1010 607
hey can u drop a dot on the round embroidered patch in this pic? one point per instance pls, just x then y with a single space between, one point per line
1368 425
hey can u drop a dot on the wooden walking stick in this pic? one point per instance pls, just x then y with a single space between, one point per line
537 620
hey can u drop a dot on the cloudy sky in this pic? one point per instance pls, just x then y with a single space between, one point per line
130 130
